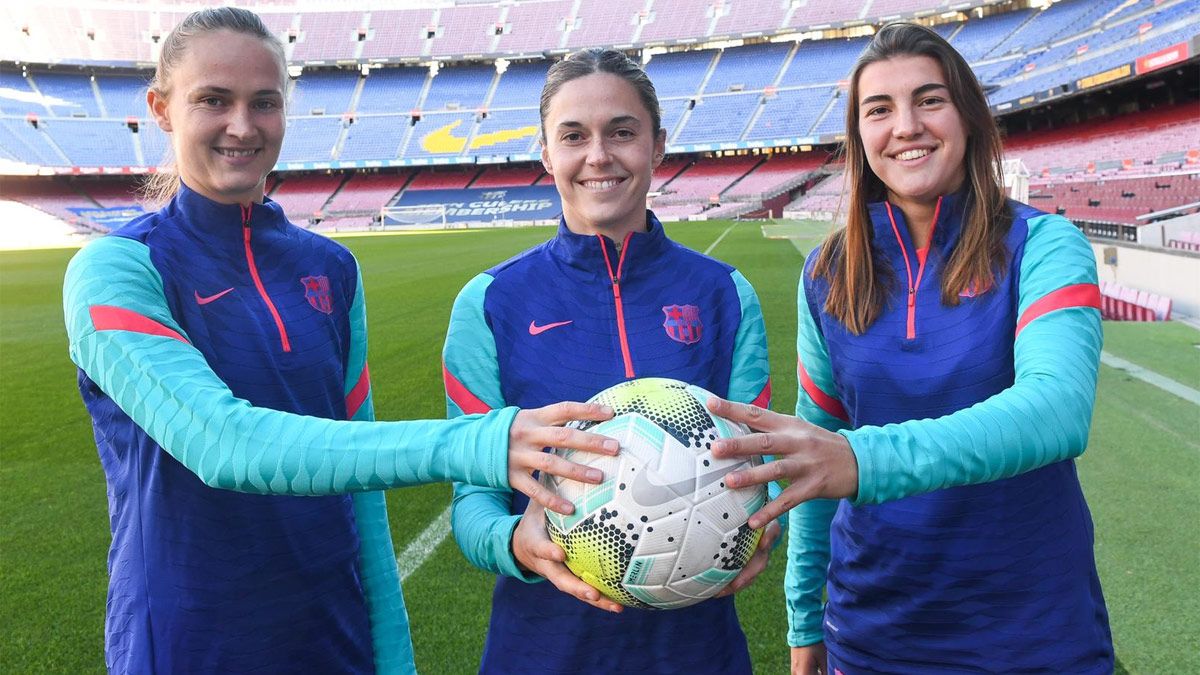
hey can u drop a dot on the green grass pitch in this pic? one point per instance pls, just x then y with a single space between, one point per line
1140 471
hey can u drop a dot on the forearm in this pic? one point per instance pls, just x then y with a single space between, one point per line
808 561
483 527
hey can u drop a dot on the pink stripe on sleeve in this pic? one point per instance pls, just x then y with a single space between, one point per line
827 403
107 317
763 400
358 395
1077 295
469 403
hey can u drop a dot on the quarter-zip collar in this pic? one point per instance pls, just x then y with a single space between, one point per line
947 227
913 271
583 253
208 217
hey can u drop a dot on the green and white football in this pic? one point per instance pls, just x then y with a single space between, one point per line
662 530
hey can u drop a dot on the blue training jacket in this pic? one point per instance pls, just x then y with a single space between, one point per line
563 321
969 544
216 346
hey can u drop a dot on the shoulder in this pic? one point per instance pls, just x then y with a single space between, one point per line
1035 227
520 262
113 254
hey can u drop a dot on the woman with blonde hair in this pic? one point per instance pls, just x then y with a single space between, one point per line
222 356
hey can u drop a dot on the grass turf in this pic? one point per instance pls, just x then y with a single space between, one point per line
1139 472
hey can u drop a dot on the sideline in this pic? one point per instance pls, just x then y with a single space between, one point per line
1149 376
420 549
714 244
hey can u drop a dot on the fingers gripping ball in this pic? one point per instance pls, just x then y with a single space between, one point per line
662 531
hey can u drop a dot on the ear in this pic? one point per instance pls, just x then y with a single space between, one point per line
660 147
549 167
157 103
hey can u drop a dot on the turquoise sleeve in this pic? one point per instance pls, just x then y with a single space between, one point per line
1044 417
750 375
376 555
808 528
479 517
151 371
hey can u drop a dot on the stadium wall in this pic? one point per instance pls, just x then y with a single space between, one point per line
1171 273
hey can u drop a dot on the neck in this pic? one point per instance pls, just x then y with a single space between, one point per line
919 218
613 231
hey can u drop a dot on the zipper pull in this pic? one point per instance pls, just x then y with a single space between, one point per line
616 287
912 297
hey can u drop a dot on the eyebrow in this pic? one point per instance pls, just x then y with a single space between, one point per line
619 119
224 91
916 92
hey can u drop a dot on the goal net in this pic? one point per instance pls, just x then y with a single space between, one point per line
421 216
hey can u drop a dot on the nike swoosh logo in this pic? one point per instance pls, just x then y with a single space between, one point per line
204 300
535 329
646 492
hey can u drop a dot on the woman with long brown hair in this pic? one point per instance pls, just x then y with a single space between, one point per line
948 347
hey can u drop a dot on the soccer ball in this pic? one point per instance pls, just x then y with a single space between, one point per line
662 531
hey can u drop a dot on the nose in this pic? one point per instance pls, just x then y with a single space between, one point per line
240 122
598 154
907 122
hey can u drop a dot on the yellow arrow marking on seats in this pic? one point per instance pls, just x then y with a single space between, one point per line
443 141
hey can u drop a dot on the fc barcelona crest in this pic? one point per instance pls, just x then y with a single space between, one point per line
683 323
316 291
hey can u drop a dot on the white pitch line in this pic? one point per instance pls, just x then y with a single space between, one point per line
714 244
1165 383
419 549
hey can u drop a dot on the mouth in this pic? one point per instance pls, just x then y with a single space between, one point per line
237 153
909 155
601 183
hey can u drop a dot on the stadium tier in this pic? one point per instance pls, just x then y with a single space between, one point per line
780 93
391 88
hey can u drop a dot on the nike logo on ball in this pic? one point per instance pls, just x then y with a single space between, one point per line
648 493
204 300
535 329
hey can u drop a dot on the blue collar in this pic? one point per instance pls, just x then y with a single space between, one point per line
586 252
203 214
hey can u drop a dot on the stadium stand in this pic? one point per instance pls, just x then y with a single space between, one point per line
499 176
1121 303
366 193
778 174
704 181
303 196
366 97
1165 136
465 29
443 179
329 36
529 27
397 32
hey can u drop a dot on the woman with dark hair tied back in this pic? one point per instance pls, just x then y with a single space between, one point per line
567 319
222 355
948 346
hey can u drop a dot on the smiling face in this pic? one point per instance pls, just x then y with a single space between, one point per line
912 134
223 106
601 148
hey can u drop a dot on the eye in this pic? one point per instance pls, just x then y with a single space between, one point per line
211 101
932 101
875 111
572 137
624 133
266 104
